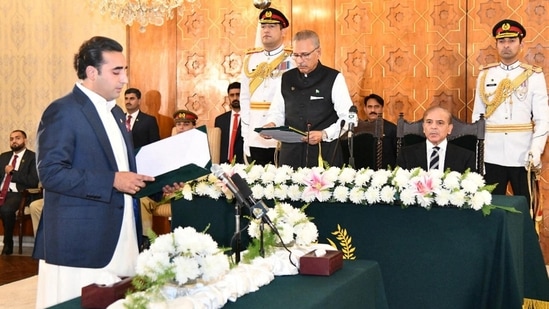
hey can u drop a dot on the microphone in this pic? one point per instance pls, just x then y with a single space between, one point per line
258 209
353 120
218 172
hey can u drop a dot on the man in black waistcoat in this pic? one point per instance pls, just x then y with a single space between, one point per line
315 99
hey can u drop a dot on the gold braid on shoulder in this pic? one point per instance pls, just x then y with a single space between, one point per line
504 90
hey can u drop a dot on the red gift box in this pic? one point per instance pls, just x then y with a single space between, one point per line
101 296
325 265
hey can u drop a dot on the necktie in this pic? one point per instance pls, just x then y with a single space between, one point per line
433 162
129 123
233 137
7 180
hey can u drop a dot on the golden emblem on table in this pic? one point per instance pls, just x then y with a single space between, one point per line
345 241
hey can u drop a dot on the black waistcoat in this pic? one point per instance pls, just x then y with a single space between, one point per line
308 99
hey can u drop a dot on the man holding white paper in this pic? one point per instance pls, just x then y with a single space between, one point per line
314 99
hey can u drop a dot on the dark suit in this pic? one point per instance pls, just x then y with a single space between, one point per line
83 212
24 177
457 159
223 122
144 130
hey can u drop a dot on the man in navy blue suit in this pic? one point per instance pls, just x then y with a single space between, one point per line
226 122
85 159
437 124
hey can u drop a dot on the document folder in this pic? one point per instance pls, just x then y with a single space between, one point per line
284 134
178 158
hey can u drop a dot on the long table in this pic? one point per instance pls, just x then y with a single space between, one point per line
357 285
438 258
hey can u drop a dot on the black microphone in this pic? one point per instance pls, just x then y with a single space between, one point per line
353 120
218 172
258 209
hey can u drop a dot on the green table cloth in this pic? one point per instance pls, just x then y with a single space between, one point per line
439 258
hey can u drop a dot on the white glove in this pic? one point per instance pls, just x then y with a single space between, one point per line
247 149
534 157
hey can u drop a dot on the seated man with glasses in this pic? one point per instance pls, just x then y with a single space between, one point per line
312 98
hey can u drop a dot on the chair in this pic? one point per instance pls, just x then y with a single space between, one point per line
466 135
23 213
367 144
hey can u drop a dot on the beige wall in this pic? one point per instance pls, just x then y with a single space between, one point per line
37 42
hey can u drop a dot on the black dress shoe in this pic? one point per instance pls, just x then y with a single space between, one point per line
7 250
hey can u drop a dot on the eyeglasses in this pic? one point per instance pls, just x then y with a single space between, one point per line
304 55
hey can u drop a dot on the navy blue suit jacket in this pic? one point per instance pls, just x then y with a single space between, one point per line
457 159
144 130
223 122
82 213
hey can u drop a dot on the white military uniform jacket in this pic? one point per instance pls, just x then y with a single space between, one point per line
254 105
519 125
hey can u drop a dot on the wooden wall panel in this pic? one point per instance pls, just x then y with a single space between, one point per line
152 69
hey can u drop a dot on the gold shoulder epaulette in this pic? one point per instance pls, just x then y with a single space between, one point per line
532 67
491 65
254 50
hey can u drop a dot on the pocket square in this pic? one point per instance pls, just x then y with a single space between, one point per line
316 98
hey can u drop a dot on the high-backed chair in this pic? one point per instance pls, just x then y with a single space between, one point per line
466 135
367 145
23 213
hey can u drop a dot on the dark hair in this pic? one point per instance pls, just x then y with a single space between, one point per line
20 131
375 97
133 90
435 107
233 85
91 53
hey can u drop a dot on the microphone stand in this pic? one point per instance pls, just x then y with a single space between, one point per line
350 143
307 149
237 234
261 241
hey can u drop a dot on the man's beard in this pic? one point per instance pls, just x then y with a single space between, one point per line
235 104
17 147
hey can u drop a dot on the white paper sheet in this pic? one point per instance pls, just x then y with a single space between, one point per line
173 152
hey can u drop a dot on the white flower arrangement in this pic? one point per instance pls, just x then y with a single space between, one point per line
292 224
363 187
177 258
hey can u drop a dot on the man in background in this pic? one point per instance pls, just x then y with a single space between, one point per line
312 98
513 98
373 107
436 152
229 123
184 120
261 73
143 126
90 223
19 173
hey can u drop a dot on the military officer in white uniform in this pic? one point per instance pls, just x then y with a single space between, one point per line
513 97
261 72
